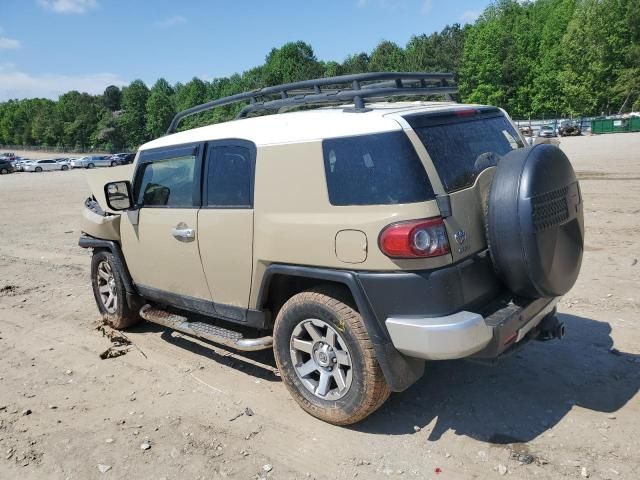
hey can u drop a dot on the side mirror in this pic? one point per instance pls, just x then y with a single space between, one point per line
118 195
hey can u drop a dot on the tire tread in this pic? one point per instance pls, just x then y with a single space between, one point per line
376 389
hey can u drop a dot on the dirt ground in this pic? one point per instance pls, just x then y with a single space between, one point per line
561 409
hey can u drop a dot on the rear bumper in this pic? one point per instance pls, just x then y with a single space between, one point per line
465 334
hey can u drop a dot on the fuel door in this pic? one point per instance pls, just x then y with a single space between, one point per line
351 246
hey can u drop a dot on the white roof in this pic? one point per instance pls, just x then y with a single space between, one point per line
302 126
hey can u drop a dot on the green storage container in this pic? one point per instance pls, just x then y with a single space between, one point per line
617 125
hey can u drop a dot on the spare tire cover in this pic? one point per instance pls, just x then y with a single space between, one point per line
535 223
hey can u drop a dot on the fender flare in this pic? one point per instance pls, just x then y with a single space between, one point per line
399 371
87 241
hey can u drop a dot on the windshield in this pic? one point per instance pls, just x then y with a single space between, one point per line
463 144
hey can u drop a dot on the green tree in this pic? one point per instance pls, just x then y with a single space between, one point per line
112 98
194 92
358 63
160 108
292 62
132 120
109 134
438 52
387 57
598 46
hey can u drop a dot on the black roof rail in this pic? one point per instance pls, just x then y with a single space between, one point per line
332 90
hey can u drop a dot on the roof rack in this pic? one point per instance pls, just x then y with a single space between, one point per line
332 90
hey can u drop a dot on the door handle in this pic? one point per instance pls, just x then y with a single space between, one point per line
184 234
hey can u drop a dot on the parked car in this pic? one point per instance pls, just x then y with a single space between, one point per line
7 156
350 238
6 166
63 161
547 131
43 166
92 161
569 129
19 164
123 158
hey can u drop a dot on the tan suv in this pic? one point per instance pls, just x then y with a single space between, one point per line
358 240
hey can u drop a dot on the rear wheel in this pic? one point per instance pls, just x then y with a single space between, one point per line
91 165
326 358
3 171
109 292
64 168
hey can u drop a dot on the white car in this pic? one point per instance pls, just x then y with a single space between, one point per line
44 165
93 161
20 163
63 161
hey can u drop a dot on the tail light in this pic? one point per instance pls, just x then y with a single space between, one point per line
415 239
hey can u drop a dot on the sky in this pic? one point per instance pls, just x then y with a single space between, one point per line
48 47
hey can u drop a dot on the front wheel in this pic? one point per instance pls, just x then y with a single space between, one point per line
113 164
64 168
326 358
109 292
4 171
91 165
38 169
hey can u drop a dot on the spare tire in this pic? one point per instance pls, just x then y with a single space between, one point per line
535 222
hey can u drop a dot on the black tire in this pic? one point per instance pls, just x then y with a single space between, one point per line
38 169
120 316
113 164
4 171
535 224
91 165
368 389
64 168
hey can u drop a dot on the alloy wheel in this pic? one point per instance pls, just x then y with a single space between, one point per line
321 359
107 287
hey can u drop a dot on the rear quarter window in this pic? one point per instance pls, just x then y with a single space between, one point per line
379 169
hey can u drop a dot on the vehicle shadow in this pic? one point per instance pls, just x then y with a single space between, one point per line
522 396
260 364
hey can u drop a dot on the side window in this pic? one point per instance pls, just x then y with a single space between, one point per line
167 183
378 169
229 177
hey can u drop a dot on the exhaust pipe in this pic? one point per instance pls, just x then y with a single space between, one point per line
551 327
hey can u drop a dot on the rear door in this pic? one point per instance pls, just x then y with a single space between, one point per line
225 225
464 145
50 165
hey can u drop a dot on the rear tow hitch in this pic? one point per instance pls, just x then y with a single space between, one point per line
550 328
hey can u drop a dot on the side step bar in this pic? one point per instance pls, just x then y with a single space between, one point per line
213 333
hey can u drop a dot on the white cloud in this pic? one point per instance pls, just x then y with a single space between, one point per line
17 84
171 21
469 16
8 43
69 6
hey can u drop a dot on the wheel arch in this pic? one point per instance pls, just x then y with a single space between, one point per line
87 241
280 282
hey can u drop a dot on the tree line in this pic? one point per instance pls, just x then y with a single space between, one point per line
544 58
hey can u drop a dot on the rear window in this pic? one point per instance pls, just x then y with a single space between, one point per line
380 169
463 146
